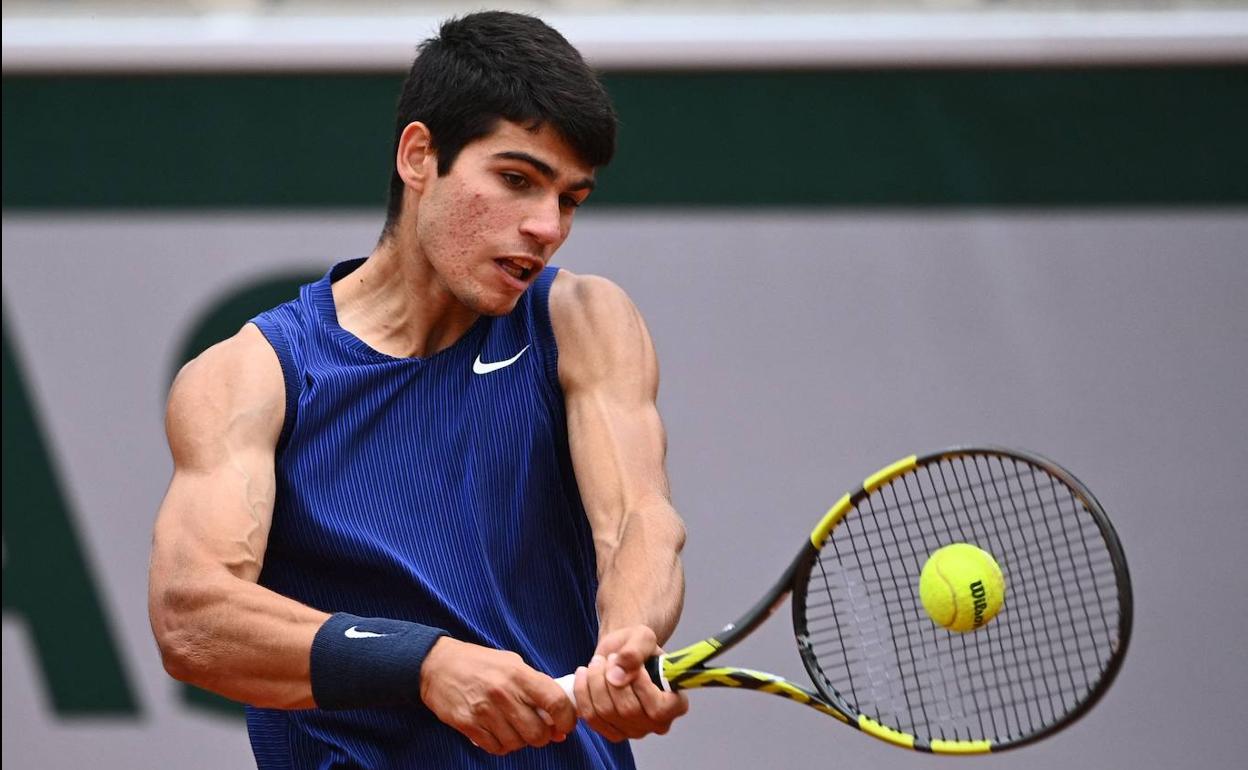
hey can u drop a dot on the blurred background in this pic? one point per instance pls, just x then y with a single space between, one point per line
857 230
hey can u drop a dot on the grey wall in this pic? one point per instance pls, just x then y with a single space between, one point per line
799 352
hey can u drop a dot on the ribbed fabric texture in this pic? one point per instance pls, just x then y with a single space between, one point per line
418 490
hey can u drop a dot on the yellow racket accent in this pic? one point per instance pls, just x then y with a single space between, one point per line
677 663
792 692
830 520
749 679
961 747
882 477
842 506
720 676
897 738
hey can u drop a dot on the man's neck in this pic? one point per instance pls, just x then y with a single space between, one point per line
398 305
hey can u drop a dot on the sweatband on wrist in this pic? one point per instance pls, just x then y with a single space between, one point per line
359 662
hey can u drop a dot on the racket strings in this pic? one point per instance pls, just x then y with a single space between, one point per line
874 645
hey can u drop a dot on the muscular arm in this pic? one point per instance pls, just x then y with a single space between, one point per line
216 628
609 374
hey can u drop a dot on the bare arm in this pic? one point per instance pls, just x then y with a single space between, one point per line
609 373
216 628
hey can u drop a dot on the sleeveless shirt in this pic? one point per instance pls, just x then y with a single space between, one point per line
438 490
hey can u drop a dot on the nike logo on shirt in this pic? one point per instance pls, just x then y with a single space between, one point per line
481 367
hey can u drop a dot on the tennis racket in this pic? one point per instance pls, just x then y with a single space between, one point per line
877 660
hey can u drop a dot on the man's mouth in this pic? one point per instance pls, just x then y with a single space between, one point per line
517 269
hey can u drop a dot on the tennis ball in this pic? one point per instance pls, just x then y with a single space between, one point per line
961 587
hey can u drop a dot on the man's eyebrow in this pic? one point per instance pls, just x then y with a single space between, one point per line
544 168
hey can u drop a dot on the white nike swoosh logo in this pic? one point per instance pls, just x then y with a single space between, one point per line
354 632
481 367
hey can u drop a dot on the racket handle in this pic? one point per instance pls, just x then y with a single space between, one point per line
654 667
566 681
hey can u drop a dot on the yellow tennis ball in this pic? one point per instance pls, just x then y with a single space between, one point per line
961 587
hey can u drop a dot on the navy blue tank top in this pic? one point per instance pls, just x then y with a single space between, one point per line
438 490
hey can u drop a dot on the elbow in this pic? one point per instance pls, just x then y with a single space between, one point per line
175 627
177 656
177 662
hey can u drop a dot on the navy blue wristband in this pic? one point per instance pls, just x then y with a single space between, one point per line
359 662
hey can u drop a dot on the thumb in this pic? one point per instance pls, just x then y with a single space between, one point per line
617 673
627 652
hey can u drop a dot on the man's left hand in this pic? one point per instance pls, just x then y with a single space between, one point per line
614 694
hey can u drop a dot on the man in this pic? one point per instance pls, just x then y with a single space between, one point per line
403 501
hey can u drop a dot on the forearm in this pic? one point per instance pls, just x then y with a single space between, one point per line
641 580
236 638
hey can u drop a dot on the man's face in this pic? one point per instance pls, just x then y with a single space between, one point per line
494 220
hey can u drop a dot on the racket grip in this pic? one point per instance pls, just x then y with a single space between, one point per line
566 681
654 667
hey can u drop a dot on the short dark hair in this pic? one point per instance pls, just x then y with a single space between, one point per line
497 65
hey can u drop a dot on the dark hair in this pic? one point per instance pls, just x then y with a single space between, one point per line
496 65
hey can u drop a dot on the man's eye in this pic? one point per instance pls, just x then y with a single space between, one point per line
515 180
568 202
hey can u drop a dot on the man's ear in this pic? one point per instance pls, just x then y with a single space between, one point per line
416 159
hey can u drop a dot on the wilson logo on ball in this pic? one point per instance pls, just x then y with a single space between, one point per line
981 601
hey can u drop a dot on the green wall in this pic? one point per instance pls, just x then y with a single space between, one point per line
1097 137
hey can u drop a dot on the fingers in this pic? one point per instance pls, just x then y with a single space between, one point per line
602 717
494 699
626 651
655 709
614 694
538 712
500 738
628 715
593 703
633 711
553 706
482 739
510 725
662 708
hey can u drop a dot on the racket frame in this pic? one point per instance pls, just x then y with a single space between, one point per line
686 668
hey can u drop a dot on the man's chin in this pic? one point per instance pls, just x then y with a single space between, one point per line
495 306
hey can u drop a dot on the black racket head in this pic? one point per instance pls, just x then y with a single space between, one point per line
1041 663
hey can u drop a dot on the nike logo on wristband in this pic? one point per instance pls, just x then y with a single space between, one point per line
354 632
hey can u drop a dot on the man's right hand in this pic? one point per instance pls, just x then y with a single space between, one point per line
493 698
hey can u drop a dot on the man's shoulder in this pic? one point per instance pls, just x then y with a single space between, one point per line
599 330
239 376
579 299
242 356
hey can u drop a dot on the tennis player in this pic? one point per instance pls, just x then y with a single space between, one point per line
406 498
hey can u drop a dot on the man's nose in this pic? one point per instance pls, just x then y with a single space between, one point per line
544 223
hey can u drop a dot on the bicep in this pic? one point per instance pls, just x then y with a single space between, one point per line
225 412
